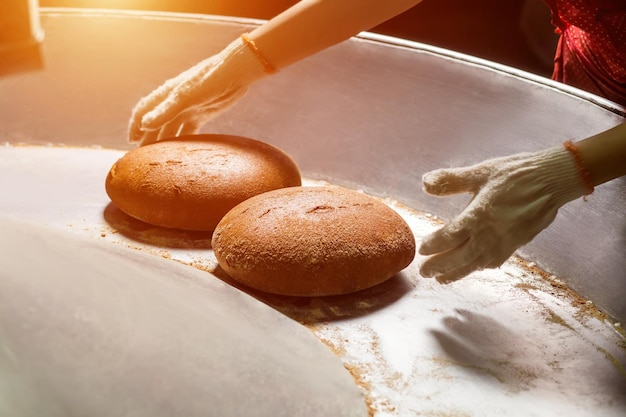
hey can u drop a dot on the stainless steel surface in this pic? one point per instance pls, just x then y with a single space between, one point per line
372 113
377 114
507 342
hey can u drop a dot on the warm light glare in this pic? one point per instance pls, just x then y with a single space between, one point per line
19 22
262 9
110 4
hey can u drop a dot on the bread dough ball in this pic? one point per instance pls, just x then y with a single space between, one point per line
192 182
312 241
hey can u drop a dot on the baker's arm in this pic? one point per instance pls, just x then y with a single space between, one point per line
311 26
514 198
184 103
604 154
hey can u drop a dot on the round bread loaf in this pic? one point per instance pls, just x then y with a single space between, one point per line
312 241
191 182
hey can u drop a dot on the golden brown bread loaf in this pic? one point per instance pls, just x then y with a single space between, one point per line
312 241
191 182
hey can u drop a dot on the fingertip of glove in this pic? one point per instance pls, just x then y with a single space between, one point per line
438 241
444 267
425 249
439 182
149 140
428 271
148 121
445 279
430 176
431 267
141 138
133 138
429 181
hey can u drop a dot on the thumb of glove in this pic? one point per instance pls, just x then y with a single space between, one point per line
442 182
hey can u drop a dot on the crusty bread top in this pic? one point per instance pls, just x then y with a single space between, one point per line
313 241
191 182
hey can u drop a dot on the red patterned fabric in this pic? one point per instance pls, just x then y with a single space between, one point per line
591 54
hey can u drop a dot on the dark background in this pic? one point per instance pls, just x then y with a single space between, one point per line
511 32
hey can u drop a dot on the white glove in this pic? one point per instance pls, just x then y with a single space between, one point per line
515 197
182 104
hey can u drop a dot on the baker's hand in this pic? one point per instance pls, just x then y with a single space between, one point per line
182 104
515 197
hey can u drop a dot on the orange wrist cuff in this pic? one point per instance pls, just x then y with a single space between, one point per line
269 68
580 165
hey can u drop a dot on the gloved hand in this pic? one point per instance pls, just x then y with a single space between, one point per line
515 197
182 104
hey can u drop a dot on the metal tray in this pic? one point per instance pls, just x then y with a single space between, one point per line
538 336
